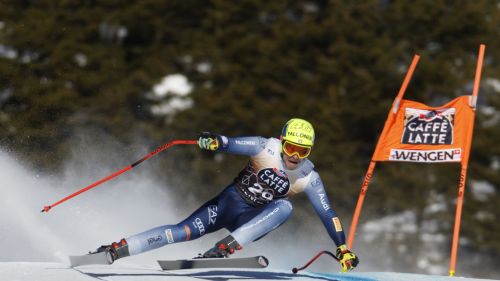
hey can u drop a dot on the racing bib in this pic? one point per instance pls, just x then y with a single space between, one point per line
262 186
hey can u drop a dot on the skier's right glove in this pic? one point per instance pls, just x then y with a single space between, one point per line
348 260
208 141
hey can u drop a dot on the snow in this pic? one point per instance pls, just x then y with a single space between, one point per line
176 84
7 52
132 203
494 83
35 245
172 106
400 223
173 93
482 190
31 271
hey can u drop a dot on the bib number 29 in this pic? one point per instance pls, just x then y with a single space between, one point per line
259 191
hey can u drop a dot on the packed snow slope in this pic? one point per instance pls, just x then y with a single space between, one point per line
26 271
36 246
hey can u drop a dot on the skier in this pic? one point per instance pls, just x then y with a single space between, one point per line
255 203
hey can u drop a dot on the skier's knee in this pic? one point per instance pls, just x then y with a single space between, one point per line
285 208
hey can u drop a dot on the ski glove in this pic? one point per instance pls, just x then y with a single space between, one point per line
208 141
348 260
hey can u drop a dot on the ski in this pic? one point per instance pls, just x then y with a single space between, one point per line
249 262
96 258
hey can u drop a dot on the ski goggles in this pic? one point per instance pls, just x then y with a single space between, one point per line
291 149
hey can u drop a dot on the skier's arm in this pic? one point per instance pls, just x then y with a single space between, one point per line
315 191
239 145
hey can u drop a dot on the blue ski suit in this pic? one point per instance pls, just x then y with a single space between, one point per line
254 204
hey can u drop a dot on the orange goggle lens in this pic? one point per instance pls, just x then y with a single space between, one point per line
291 149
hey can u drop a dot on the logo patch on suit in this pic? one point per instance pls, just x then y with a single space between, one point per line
275 179
264 186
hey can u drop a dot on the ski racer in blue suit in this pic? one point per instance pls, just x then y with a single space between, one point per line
255 203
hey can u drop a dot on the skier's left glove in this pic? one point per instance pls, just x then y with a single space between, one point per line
208 141
348 260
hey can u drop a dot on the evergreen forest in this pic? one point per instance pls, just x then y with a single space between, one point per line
83 67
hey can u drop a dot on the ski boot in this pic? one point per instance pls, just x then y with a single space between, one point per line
114 251
223 248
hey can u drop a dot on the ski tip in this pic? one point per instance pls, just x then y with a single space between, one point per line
262 261
45 209
90 259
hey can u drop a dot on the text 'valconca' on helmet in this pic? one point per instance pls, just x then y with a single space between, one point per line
297 137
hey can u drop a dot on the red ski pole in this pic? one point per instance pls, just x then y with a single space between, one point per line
295 270
115 174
